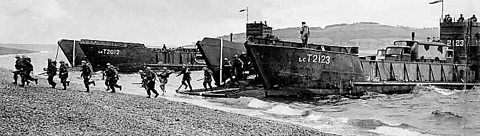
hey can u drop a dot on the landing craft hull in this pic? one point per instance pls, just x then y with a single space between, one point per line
127 59
305 70
210 49
67 48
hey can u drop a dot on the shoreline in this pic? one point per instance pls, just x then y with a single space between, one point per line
14 51
41 110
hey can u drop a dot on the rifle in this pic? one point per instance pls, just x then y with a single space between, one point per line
44 73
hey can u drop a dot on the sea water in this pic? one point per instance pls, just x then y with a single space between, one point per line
425 111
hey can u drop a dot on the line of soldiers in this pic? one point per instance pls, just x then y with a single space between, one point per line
234 69
52 72
24 68
149 77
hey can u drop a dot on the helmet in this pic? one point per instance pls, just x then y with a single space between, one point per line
205 68
84 61
24 56
225 59
165 68
235 56
108 64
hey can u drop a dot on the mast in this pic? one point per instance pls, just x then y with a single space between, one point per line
73 62
221 61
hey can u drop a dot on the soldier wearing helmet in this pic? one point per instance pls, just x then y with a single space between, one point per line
150 78
186 78
51 72
87 74
19 66
112 78
63 74
237 67
27 70
163 77
104 74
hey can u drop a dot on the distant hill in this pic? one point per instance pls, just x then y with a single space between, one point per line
6 50
369 36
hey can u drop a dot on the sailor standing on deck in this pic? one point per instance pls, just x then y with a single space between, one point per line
473 18
87 74
51 72
304 34
151 76
186 77
461 19
63 74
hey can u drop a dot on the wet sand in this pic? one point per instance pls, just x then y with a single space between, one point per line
40 110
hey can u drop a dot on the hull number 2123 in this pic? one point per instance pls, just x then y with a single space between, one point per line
314 58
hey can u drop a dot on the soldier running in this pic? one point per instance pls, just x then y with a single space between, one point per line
51 72
237 67
186 78
112 78
19 66
104 74
63 74
143 76
163 78
207 78
26 72
151 76
87 74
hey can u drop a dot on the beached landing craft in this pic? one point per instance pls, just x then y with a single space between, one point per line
289 68
210 48
128 57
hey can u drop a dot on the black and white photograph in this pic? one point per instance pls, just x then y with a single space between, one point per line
240 67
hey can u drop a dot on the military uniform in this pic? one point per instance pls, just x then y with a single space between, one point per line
19 66
52 72
112 78
87 74
63 74
207 78
304 34
163 78
27 70
150 77
237 68
186 78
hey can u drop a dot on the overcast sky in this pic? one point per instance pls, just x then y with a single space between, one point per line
180 22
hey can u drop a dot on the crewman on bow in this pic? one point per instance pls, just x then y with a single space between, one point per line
304 34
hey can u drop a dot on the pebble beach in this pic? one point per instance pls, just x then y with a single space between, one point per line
40 110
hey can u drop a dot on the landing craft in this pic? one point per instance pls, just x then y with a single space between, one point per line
288 68
127 56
